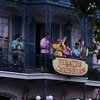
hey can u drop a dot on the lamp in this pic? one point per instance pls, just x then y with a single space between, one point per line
47 97
50 97
90 99
38 97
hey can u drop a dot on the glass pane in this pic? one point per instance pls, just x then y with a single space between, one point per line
5 34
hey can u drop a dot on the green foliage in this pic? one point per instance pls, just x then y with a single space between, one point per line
89 8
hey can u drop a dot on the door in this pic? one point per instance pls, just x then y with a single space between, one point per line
40 33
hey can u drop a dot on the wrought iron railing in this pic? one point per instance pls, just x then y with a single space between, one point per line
44 62
37 63
9 62
14 62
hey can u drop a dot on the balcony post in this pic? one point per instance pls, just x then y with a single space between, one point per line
84 93
48 21
45 89
84 30
26 35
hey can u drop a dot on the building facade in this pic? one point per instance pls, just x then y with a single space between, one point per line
25 79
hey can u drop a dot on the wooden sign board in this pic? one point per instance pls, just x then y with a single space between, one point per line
70 66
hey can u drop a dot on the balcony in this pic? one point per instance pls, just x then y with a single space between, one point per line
38 63
14 62
11 61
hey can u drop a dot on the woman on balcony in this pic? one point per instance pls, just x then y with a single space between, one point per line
45 44
76 50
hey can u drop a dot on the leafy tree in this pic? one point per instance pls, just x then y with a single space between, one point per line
91 10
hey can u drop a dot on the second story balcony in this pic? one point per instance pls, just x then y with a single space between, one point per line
32 25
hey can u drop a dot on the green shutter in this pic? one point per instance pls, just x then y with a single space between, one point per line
16 26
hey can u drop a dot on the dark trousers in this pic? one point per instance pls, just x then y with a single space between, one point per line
44 61
17 55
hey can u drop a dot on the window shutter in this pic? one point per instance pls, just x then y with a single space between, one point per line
66 33
55 32
16 26
31 44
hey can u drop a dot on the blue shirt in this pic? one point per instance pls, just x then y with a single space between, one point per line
76 52
14 45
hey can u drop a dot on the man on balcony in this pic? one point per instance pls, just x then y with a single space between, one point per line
76 50
58 48
17 48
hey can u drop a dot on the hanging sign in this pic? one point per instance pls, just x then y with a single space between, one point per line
70 66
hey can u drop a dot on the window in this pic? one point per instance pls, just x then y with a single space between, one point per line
4 33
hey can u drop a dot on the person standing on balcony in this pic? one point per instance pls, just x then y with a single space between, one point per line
76 50
45 49
45 44
67 52
58 48
17 48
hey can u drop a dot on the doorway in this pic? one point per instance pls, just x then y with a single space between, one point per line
40 33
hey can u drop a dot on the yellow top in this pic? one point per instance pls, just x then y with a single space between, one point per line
18 45
58 49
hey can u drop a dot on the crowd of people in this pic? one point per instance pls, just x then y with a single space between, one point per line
59 48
